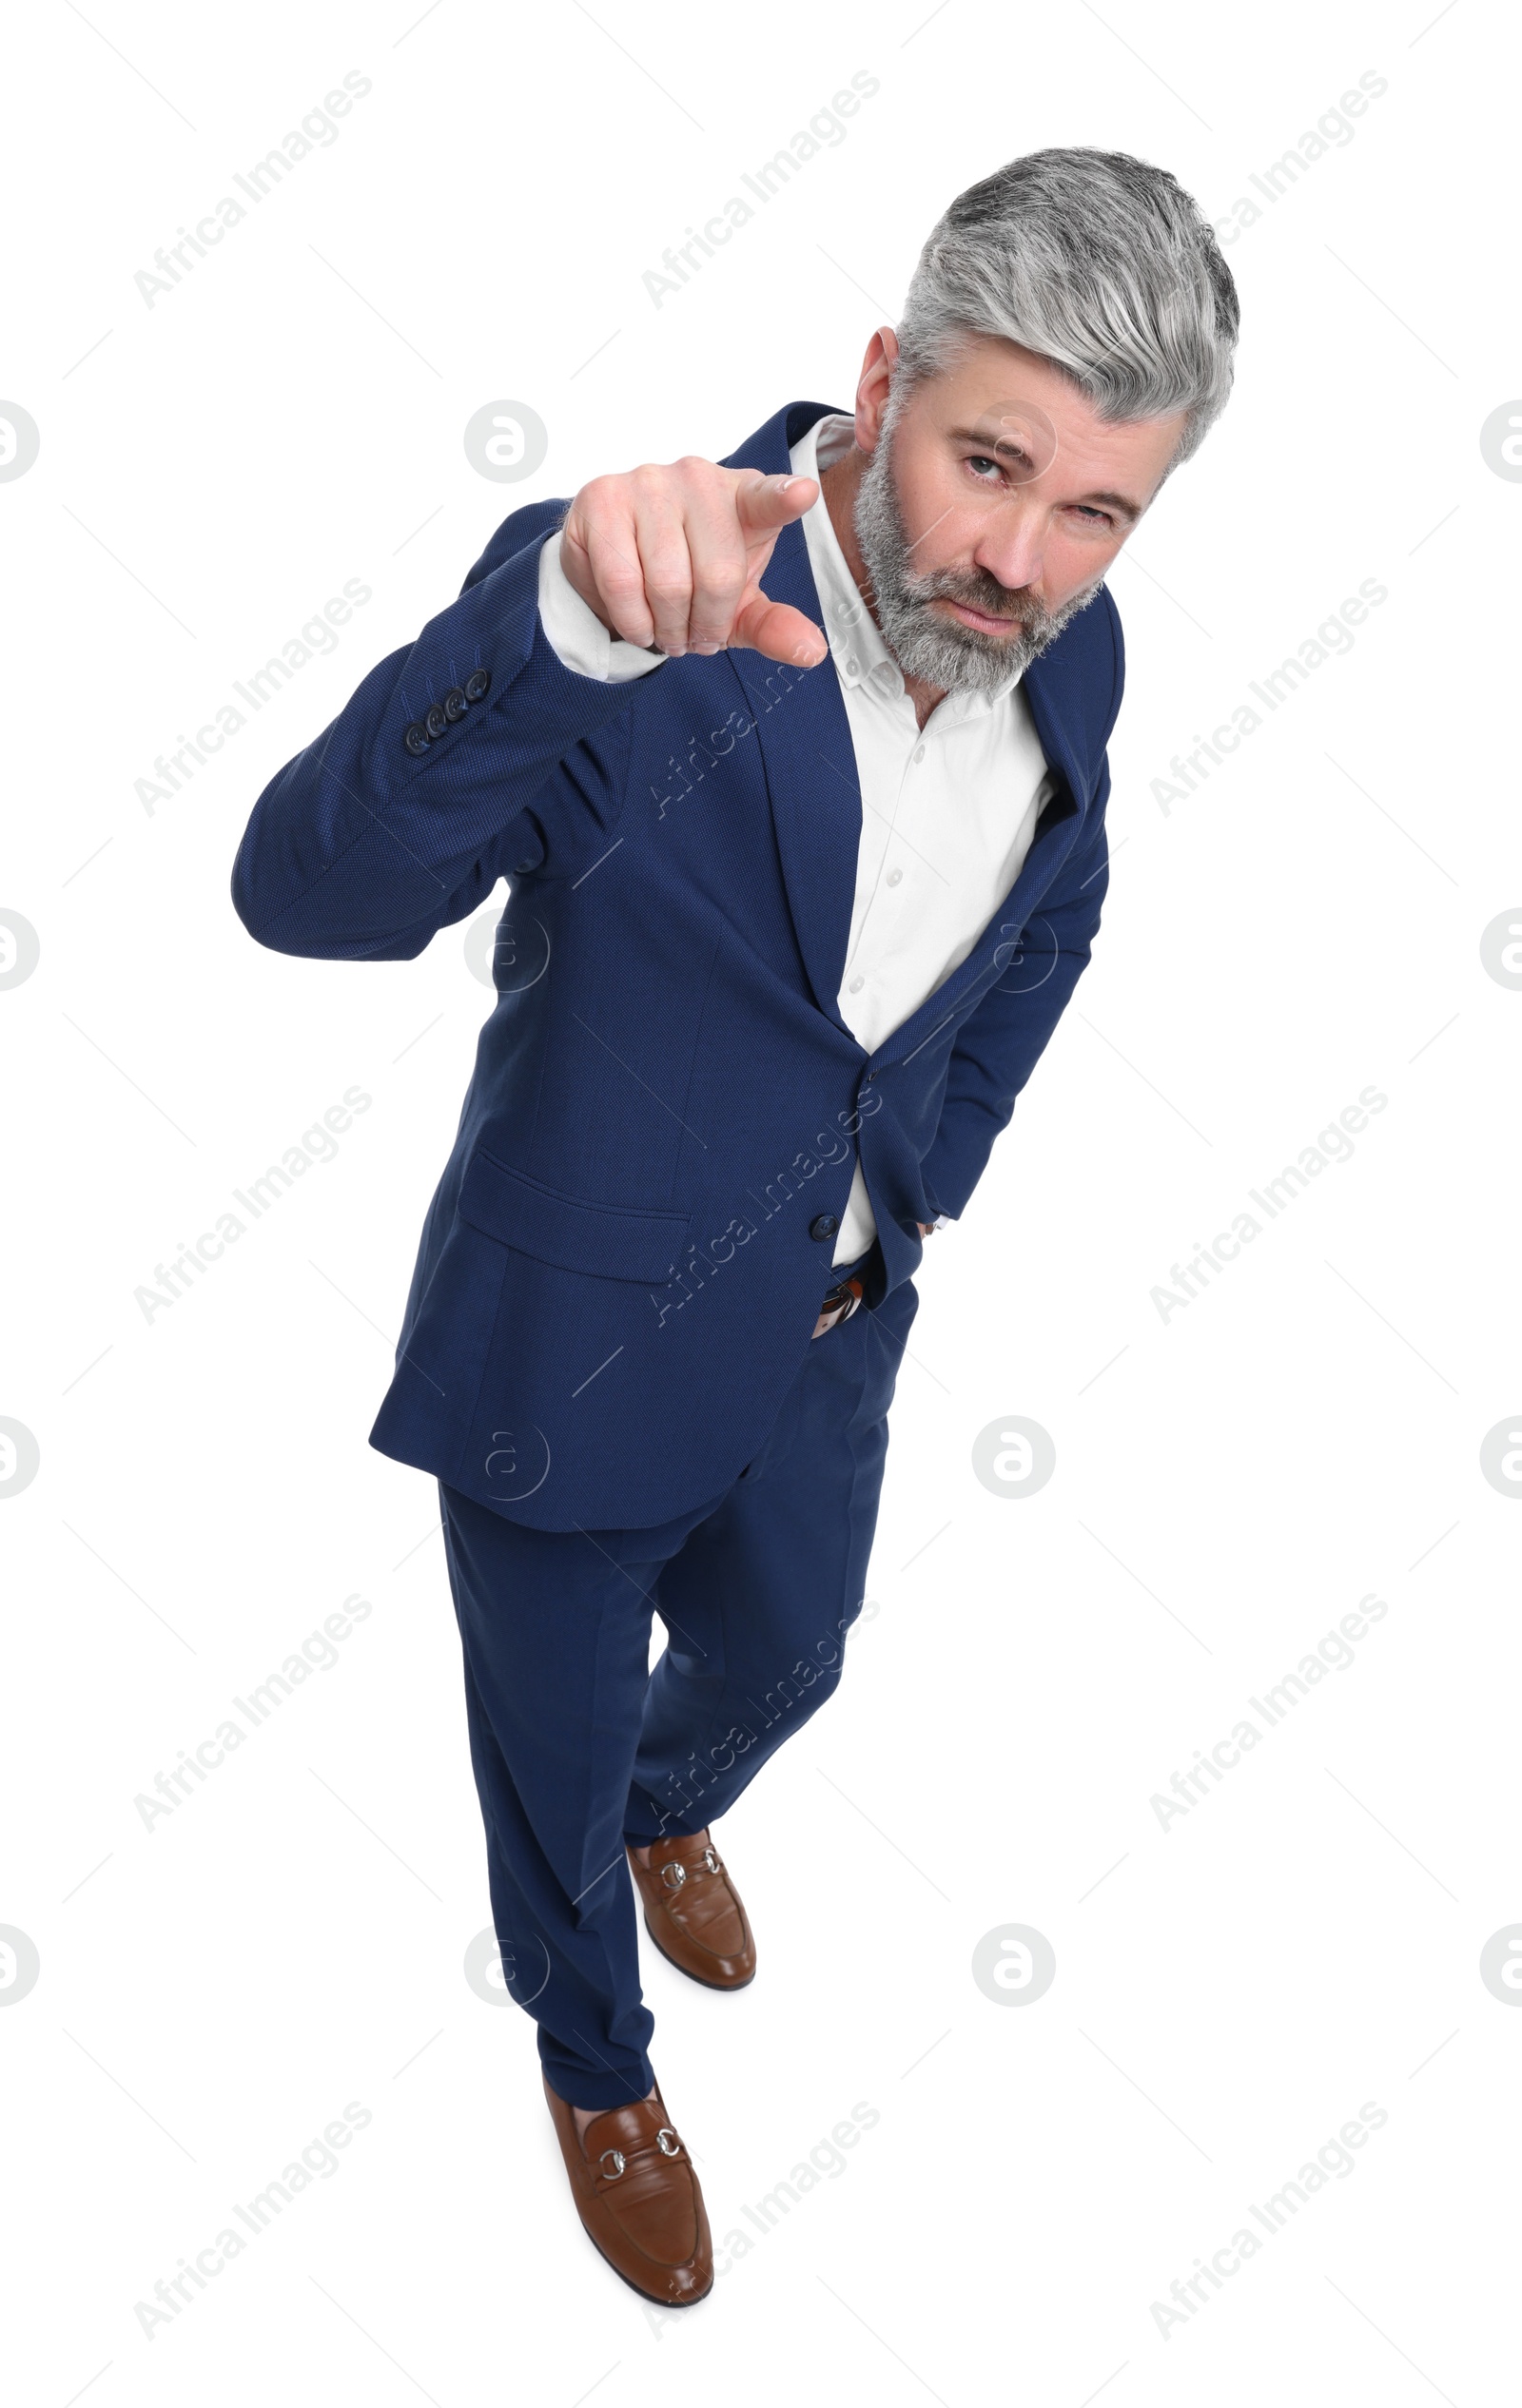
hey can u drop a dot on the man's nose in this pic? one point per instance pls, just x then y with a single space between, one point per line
1010 546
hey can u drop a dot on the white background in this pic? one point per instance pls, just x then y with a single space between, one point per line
1230 1481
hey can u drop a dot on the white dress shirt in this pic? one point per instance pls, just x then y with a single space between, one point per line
948 811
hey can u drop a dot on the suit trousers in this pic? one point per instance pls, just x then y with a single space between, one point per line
580 1748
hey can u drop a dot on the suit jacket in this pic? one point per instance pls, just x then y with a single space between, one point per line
622 1263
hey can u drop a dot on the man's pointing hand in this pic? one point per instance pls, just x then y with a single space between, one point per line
673 557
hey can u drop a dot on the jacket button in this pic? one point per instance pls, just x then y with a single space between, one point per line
455 705
436 723
415 738
823 1225
478 684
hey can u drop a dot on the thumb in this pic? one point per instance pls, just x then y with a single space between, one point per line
779 631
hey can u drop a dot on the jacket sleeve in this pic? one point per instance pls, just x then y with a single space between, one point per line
361 849
1002 1041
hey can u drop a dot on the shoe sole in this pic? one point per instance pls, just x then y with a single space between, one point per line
691 1977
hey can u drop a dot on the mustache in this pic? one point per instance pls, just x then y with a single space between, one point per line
980 591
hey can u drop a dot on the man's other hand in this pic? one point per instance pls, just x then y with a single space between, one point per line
672 557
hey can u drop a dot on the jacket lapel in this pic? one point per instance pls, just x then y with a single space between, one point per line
799 719
1041 686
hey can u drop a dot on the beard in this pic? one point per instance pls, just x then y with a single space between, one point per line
926 643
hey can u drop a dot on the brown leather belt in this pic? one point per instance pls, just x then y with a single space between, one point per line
839 1303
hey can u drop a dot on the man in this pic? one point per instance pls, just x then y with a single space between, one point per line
796 767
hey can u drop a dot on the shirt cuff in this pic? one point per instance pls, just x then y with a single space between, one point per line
575 633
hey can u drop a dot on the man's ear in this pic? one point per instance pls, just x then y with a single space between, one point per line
871 390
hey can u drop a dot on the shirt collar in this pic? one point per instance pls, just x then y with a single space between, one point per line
860 658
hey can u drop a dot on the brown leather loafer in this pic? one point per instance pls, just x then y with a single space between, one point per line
693 1912
638 2197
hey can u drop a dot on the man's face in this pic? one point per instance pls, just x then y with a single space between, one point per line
991 506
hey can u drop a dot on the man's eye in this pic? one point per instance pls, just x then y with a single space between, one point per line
1097 517
980 460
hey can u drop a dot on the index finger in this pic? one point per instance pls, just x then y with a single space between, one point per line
766 504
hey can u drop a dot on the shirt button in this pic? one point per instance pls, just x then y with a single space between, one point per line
919 752
893 876
856 985
852 664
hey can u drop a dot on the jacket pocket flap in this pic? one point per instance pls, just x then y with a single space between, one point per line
604 1240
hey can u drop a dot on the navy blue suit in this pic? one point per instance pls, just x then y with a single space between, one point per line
606 1359
666 1101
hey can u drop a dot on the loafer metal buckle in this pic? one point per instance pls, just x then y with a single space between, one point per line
617 2156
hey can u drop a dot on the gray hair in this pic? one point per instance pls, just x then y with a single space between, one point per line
1099 262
